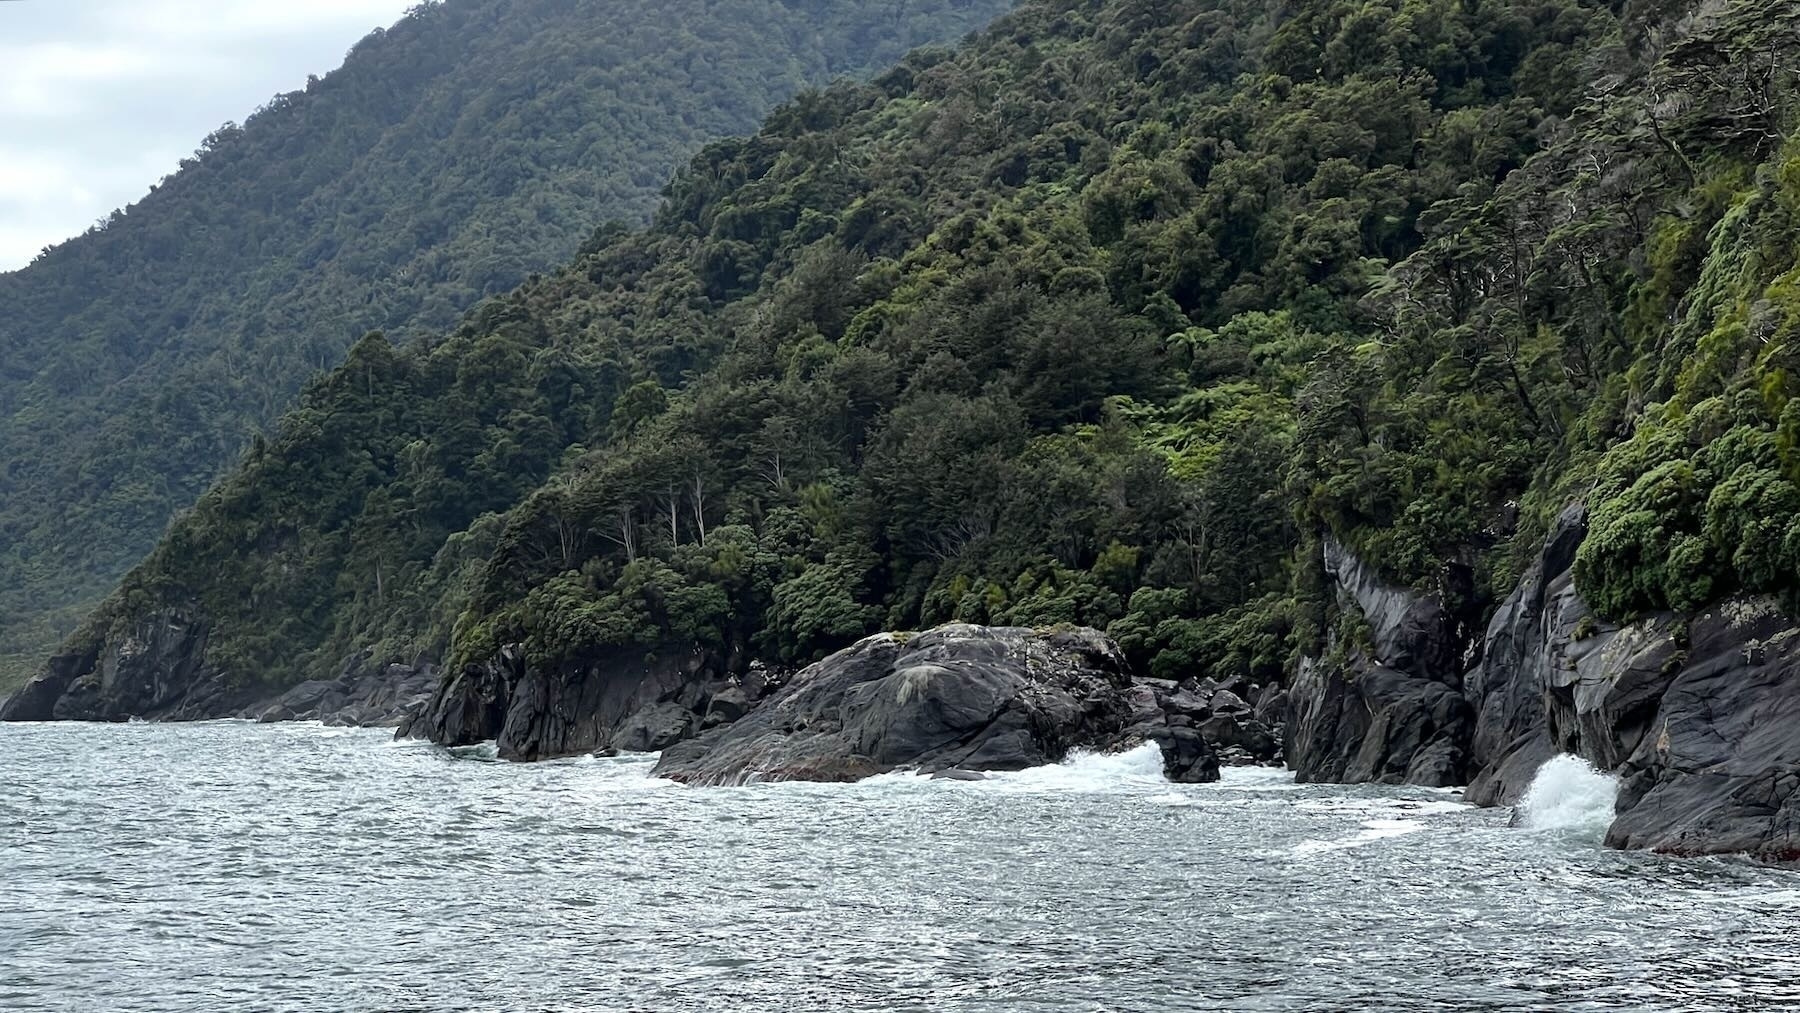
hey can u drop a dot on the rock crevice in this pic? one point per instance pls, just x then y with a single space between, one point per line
1391 711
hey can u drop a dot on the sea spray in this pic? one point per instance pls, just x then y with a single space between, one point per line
1081 771
1568 795
1085 771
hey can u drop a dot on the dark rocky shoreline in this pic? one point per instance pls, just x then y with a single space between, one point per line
957 698
1698 715
158 671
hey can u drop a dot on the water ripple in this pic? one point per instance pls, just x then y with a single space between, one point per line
295 868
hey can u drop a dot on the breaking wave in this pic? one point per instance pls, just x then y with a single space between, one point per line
1141 765
1568 795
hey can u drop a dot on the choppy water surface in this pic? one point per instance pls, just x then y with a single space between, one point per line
237 867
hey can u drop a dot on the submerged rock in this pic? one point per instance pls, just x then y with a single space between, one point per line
958 698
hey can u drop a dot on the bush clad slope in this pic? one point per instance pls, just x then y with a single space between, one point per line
472 143
1103 318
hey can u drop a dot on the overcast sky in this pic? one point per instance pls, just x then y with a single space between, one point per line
101 98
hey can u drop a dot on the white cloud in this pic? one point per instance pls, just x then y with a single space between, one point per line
101 98
51 80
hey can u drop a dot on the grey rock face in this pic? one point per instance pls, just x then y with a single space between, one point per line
1398 716
1406 627
620 699
1556 679
1512 729
155 669
365 695
964 698
1376 724
1717 769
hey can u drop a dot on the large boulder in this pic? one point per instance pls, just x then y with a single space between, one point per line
959 697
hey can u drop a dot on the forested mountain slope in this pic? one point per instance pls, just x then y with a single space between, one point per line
1107 317
474 142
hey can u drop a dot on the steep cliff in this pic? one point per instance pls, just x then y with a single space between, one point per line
1698 713
1389 709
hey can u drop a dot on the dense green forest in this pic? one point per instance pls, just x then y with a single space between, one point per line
1105 317
471 144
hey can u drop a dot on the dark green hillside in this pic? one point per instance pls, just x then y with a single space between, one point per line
1104 317
474 142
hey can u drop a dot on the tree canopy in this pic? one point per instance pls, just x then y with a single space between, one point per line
471 144
1107 316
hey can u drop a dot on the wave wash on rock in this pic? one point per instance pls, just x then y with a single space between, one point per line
1696 715
958 698
1568 795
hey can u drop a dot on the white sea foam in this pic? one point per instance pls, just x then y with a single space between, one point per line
1372 831
1172 799
1380 806
1569 796
1083 771
1139 766
1255 779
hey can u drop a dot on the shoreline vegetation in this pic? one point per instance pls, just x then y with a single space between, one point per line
451 157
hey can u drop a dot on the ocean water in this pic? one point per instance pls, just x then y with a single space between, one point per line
297 868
